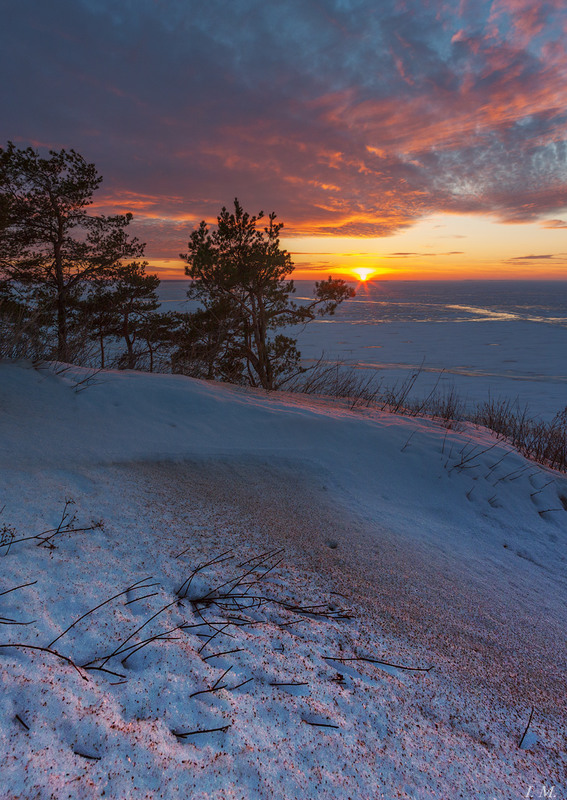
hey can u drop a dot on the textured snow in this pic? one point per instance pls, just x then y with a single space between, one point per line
411 544
514 360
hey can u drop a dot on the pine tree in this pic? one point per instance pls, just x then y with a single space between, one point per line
240 275
160 332
50 247
122 306
135 299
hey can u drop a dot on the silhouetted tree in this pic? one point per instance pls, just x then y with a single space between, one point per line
50 247
122 306
161 332
98 317
209 344
135 298
240 275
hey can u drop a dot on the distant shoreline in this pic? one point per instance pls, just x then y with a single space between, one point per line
410 280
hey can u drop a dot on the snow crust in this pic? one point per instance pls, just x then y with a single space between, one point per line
365 536
512 360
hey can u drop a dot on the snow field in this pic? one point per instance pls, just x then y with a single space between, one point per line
444 548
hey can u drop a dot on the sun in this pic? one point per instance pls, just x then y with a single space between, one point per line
363 273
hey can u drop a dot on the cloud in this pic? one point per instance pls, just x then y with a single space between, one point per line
532 258
350 118
554 223
425 255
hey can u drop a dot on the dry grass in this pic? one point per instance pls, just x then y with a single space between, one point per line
540 441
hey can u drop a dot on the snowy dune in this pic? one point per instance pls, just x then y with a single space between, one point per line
411 544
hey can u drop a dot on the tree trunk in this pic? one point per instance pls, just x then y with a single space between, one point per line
262 365
212 350
62 349
130 361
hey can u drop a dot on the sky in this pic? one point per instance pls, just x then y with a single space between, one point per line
413 138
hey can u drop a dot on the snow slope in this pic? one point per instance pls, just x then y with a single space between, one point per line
350 535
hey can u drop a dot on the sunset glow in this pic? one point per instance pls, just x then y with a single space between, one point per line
363 273
410 139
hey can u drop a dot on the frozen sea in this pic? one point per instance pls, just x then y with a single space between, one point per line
499 339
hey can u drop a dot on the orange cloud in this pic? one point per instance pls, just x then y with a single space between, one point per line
554 223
